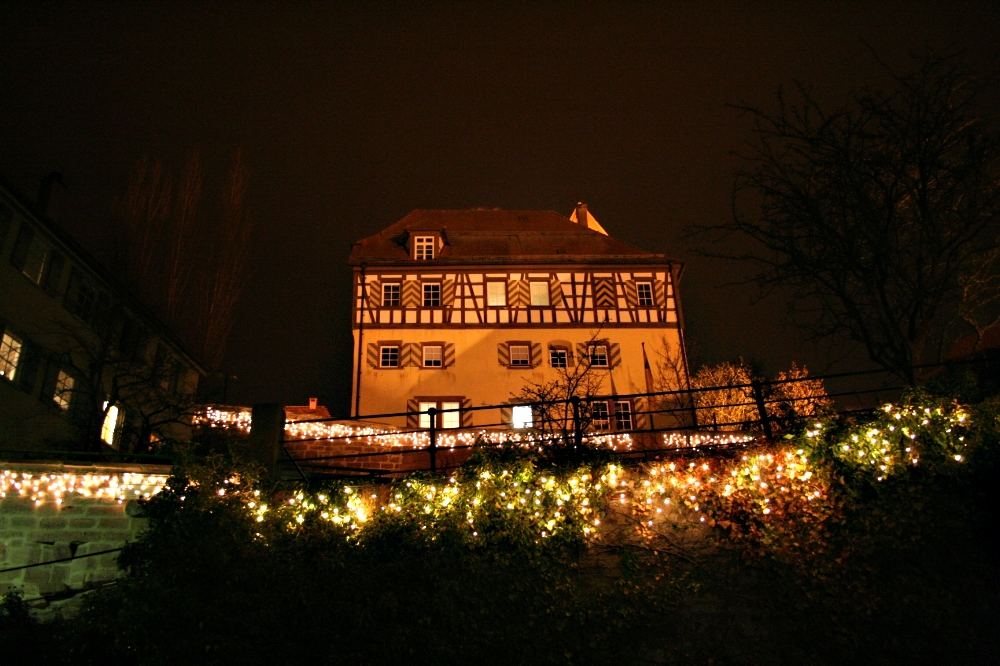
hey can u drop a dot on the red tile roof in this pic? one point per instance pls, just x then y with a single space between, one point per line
492 236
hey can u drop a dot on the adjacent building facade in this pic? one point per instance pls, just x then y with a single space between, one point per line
461 308
81 363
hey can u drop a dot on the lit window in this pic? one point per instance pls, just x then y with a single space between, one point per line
112 423
599 356
521 417
10 354
448 414
432 294
599 415
496 294
390 295
389 356
423 248
623 415
645 294
64 390
433 358
520 356
539 293
558 357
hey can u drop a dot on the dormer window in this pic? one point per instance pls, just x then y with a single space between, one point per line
423 247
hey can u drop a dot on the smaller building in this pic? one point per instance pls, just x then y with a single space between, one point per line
82 364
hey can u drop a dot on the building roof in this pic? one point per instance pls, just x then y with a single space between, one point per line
494 236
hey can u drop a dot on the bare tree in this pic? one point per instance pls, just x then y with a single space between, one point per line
881 216
187 264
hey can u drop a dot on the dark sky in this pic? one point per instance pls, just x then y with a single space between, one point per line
351 115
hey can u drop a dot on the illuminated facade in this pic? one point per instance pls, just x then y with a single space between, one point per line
461 308
79 359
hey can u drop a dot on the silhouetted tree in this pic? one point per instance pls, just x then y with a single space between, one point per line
881 216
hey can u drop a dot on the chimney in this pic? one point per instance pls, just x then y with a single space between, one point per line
581 213
44 203
312 404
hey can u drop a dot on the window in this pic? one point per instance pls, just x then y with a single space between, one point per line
389 356
10 354
644 290
40 263
391 295
520 356
623 415
34 261
539 293
521 416
433 356
598 356
423 248
448 414
113 418
496 293
558 357
432 294
599 416
81 296
64 390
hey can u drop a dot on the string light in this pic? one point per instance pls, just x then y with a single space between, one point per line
57 488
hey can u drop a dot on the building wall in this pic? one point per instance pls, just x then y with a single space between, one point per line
586 304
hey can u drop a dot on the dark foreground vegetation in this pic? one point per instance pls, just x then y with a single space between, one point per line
903 569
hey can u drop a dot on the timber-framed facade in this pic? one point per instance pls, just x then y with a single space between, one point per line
456 308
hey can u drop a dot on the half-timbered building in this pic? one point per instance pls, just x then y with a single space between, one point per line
460 308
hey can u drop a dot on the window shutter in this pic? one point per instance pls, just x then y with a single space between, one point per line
518 293
604 293
48 391
411 294
21 247
535 352
465 413
412 417
503 354
555 292
53 272
28 366
507 416
660 293
639 415
375 294
410 355
449 354
582 352
447 293
614 354
631 297
373 355
570 357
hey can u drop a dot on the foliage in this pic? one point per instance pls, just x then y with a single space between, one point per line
880 216
729 405
796 396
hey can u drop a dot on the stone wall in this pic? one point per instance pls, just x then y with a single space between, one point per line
54 512
347 455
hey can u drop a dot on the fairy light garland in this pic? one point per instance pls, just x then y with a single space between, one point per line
57 488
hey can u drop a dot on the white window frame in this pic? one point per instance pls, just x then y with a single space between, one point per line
433 356
600 416
647 299
623 415
556 351
431 292
35 260
385 353
448 413
496 293
539 292
598 355
392 298
520 355
424 247
11 348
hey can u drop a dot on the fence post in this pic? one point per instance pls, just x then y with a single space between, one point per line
758 396
432 449
267 429
577 423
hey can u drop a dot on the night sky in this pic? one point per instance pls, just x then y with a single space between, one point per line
351 116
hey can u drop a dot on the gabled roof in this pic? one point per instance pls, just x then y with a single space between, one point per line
493 236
